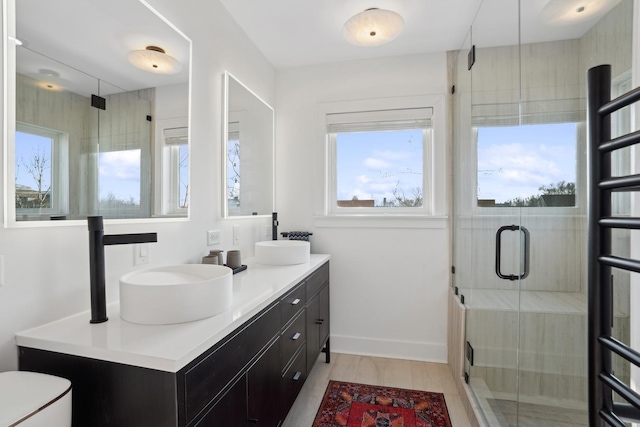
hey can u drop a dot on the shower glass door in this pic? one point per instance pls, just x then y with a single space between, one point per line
490 256
519 207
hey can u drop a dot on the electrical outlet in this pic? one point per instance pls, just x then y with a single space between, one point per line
267 232
213 237
236 234
141 254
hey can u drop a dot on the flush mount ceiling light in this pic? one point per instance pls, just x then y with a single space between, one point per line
566 12
49 80
373 27
154 60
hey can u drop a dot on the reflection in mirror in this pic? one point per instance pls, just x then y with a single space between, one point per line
249 152
97 132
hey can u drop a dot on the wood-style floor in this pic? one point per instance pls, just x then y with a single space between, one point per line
375 371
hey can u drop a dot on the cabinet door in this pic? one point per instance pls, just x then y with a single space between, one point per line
263 389
205 378
323 318
313 331
231 410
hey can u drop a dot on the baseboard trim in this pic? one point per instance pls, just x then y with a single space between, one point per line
408 350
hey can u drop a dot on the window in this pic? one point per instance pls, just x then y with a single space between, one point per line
173 146
527 165
119 183
233 167
379 161
41 169
183 176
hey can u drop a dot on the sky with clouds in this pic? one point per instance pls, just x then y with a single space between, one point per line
371 165
119 171
27 147
120 174
512 162
516 161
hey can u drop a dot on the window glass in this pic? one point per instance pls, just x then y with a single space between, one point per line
527 166
34 155
119 182
233 171
380 169
183 201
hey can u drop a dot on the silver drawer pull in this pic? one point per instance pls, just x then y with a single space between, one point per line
296 336
295 301
296 377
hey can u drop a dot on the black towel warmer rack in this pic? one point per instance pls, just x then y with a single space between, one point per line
602 382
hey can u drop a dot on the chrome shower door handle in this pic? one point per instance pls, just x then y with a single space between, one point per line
525 261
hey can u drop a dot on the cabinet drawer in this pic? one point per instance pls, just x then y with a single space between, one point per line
294 378
292 303
204 381
293 338
317 279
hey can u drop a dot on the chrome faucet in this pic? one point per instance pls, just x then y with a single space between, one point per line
97 242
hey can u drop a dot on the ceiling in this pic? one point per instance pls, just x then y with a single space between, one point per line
294 33
97 44
290 33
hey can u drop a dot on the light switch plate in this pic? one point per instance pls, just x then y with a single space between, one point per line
141 254
213 237
236 234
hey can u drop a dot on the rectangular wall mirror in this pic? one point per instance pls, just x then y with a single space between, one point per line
248 152
101 118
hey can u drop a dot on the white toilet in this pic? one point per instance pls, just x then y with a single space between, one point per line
29 399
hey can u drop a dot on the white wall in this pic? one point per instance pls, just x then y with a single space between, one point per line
389 279
47 268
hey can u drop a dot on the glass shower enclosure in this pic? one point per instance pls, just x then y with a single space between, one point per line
519 203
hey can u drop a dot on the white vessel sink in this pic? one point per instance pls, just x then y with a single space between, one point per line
175 294
282 252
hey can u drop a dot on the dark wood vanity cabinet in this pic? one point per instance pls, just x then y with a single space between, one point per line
264 403
318 314
231 409
250 378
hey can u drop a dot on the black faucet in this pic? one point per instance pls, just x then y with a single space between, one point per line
97 242
274 226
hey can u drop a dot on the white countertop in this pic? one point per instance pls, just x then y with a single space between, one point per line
168 347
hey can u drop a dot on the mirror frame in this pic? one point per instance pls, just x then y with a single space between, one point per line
9 47
225 136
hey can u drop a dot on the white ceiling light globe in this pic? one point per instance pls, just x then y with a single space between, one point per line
373 27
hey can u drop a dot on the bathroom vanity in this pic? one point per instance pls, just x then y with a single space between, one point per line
242 367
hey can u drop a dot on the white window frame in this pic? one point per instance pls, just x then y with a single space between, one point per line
167 170
434 169
536 210
59 171
371 118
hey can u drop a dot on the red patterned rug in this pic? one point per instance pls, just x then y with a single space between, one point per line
360 405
